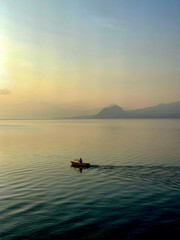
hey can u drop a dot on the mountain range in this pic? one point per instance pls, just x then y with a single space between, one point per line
170 110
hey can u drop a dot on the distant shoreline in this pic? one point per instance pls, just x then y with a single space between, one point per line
89 119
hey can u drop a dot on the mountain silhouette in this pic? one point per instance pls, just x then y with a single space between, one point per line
170 110
112 112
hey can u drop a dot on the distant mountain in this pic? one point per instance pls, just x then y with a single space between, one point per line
161 110
111 112
42 110
170 110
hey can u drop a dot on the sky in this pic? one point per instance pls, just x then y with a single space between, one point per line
64 58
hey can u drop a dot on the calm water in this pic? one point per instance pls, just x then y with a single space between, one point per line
132 189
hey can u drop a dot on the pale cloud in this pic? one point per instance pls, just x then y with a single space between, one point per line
110 23
4 91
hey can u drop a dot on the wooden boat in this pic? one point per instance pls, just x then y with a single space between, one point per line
78 164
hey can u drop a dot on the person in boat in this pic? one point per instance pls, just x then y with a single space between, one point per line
80 160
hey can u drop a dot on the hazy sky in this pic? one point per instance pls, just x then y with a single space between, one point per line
59 57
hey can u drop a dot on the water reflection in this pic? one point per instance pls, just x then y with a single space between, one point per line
79 169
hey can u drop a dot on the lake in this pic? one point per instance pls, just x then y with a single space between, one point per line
131 190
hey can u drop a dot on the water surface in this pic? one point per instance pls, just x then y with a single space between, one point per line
131 190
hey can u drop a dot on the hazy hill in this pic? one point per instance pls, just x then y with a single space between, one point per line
41 110
170 110
161 110
111 112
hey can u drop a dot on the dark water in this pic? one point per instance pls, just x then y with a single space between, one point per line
131 191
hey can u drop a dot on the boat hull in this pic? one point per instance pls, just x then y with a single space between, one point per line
77 164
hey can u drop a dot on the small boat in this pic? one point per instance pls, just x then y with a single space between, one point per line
78 164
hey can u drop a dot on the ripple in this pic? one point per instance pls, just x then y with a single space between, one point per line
132 188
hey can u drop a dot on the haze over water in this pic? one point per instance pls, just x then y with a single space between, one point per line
131 190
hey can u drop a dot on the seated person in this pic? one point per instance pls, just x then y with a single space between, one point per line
80 160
